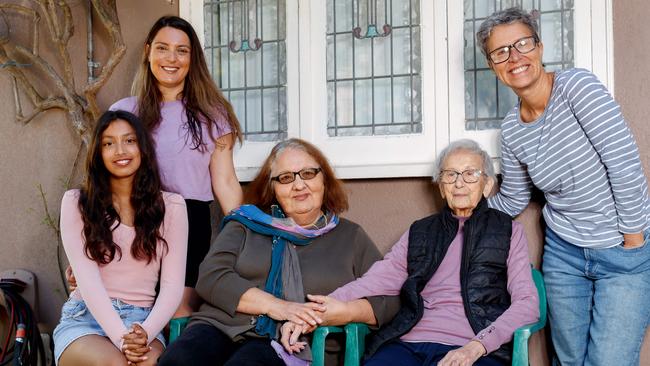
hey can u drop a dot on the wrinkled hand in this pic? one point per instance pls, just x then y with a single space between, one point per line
289 334
464 356
135 345
72 281
336 313
299 313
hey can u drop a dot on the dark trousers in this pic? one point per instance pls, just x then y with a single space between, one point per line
198 240
202 344
417 354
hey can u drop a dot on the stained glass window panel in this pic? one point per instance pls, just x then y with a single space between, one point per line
246 52
373 67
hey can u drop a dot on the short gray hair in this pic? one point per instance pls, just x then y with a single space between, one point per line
470 146
507 16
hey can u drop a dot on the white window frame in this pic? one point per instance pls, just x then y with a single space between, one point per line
442 73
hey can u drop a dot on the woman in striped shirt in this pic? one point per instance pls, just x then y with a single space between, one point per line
567 137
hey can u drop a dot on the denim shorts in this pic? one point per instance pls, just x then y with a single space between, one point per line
77 321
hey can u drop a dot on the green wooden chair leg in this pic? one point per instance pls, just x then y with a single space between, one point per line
355 343
318 344
176 326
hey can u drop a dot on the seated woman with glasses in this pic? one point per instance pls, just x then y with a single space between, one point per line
463 277
567 137
287 242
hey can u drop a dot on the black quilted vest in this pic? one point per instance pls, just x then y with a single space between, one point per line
483 272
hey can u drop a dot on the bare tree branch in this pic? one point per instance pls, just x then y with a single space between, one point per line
35 19
47 104
59 35
107 13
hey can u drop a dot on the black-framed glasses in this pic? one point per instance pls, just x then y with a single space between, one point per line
289 177
449 176
522 45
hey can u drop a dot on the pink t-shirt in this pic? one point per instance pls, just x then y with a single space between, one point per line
444 319
183 170
127 279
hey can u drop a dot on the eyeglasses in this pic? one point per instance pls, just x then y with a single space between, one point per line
289 177
523 45
469 176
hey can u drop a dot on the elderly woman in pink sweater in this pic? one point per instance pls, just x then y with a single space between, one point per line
123 236
463 277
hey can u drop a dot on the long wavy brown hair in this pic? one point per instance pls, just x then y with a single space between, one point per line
260 191
99 215
204 102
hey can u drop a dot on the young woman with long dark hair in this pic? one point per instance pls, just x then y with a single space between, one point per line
195 129
122 236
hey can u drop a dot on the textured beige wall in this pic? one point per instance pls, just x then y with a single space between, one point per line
40 153
632 80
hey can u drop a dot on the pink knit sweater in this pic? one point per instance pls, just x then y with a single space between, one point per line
127 279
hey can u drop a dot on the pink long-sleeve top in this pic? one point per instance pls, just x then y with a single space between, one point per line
444 319
127 279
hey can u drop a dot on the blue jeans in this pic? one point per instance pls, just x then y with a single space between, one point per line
417 354
77 321
598 301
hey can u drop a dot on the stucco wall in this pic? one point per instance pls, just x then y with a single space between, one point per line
40 153
632 84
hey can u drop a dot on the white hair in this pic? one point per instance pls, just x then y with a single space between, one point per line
464 145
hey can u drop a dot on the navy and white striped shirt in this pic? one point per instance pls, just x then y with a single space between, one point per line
582 155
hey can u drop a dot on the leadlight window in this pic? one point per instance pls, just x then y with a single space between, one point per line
373 67
487 100
246 53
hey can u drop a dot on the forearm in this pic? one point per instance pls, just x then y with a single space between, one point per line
384 277
360 311
514 193
384 308
172 270
229 193
168 300
256 302
162 312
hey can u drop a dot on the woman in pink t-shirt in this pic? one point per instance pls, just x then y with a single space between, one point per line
195 129
123 236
